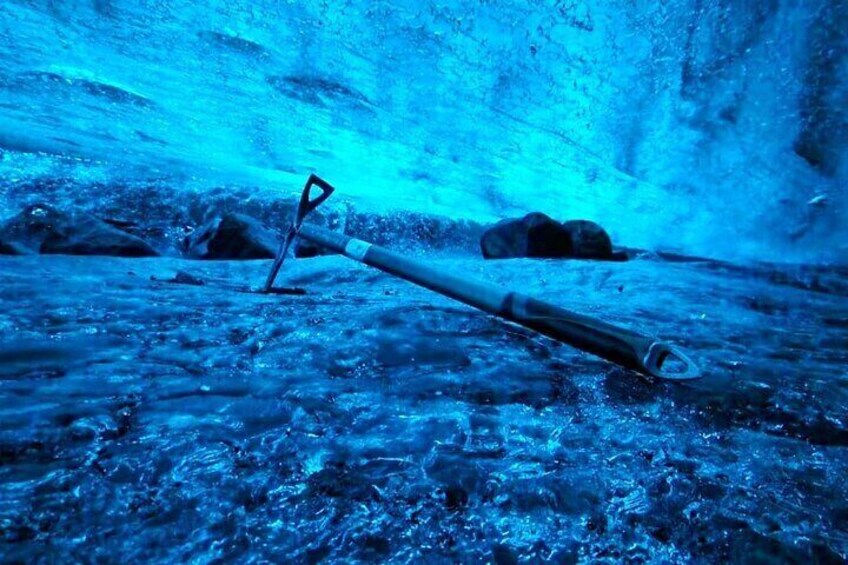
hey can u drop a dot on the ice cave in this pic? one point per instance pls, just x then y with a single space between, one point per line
467 281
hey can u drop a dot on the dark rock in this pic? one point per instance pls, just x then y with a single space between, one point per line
537 235
534 235
98 243
33 226
588 240
187 278
306 250
14 248
233 236
52 231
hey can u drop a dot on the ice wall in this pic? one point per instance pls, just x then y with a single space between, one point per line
709 126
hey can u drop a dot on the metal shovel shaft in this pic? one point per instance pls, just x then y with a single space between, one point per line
625 347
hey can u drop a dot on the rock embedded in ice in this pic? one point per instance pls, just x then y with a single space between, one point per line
588 239
51 231
538 235
305 249
13 248
232 236
187 278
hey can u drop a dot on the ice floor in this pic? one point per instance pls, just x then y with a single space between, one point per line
371 419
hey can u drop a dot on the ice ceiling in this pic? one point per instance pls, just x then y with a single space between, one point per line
710 126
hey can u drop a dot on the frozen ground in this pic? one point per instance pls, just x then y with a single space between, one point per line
370 418
144 420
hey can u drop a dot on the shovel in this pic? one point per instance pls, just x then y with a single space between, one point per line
618 345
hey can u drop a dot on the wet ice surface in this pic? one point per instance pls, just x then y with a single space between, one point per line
373 419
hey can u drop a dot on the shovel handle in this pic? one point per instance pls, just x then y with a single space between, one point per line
619 345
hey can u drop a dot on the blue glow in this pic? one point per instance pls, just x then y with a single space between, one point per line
676 123
154 407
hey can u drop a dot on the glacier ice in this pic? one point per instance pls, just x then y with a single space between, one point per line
698 125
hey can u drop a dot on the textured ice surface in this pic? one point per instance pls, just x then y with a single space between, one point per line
702 125
375 420
142 420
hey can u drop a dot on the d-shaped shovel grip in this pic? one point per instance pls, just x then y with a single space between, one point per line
304 208
669 363
307 204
